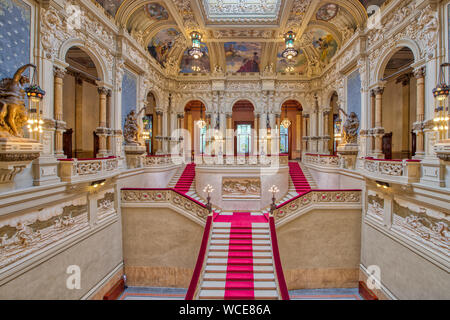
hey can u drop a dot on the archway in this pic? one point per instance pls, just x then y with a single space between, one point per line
81 96
291 137
398 106
243 124
195 111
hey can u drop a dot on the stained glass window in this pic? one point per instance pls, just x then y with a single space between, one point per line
284 140
244 134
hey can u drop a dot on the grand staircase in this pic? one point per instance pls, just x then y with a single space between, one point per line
239 263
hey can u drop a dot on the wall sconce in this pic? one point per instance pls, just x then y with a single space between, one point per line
96 184
381 184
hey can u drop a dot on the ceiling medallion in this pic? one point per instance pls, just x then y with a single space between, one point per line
195 51
327 12
289 52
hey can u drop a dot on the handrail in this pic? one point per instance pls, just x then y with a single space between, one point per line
276 257
200 259
313 190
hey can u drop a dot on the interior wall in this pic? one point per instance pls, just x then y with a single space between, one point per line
96 255
321 249
160 247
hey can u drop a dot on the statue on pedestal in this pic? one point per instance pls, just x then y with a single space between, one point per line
351 127
131 129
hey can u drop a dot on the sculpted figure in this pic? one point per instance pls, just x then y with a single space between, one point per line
351 126
13 115
131 129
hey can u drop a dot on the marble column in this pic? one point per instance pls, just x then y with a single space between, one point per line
230 135
59 74
222 129
420 112
108 123
405 81
379 130
298 134
305 133
79 134
101 130
263 134
326 133
256 135
372 119
158 132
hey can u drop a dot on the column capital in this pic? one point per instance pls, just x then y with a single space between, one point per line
180 115
59 72
379 90
306 116
102 90
420 72
372 93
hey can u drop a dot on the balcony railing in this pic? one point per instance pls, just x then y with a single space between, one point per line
75 170
324 160
269 160
331 198
405 170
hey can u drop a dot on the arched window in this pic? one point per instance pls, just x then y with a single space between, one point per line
244 139
284 139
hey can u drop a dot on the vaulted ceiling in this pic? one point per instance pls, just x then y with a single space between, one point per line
241 35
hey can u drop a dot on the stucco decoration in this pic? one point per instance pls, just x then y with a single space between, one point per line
241 188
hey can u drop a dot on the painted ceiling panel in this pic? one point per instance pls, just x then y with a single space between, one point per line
243 56
111 6
159 47
191 65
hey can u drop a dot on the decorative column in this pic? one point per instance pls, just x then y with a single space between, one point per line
229 135
108 124
102 130
405 80
256 135
222 129
158 130
379 130
420 112
263 134
372 120
298 135
305 133
326 134
79 134
59 74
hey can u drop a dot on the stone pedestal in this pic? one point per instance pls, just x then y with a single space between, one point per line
15 155
347 155
134 154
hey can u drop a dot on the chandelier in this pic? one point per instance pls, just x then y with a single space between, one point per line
201 123
440 93
35 95
195 51
286 123
289 52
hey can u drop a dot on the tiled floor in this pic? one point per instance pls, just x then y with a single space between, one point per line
144 293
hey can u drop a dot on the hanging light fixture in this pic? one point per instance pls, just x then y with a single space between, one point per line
289 52
201 123
337 129
35 95
441 93
196 51
286 123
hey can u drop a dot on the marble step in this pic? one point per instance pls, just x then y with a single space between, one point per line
224 230
217 276
254 255
240 248
220 285
240 242
236 261
238 294
251 236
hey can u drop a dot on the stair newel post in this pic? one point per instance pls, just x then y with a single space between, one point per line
208 189
274 190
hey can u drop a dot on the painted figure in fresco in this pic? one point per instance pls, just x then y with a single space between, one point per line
156 11
250 65
327 47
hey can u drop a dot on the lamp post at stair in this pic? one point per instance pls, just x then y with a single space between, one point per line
274 190
208 189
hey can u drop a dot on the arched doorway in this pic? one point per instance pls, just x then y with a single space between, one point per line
81 106
398 106
243 123
291 137
194 112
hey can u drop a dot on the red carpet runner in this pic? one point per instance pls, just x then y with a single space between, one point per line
184 183
298 178
239 281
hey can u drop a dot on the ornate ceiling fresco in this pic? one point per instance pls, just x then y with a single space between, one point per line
241 36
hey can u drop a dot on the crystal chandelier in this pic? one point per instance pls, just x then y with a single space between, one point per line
195 51
35 95
286 123
289 52
201 123
440 93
